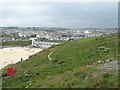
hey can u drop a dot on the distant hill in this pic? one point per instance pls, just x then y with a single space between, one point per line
85 63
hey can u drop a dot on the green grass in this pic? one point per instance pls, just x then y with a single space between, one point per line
59 41
68 68
16 43
4 35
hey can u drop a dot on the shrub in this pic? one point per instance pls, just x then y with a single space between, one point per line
106 75
101 47
56 60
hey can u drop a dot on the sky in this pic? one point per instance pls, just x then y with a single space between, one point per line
87 14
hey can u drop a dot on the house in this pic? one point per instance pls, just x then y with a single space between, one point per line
87 31
23 34
37 43
40 36
20 34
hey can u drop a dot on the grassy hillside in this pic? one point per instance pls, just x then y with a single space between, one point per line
76 64
16 43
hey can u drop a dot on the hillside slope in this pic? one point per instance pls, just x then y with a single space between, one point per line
76 64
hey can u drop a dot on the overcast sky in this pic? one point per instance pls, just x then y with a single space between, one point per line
60 14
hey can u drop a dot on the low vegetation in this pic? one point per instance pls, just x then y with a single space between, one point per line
74 65
16 43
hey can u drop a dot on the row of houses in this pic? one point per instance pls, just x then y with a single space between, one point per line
63 37
4 39
48 37
56 37
93 35
37 43
24 34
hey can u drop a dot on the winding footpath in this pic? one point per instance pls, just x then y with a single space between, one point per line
49 56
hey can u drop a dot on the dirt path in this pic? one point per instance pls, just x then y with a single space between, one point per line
49 56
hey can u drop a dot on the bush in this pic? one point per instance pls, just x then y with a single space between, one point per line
61 62
106 75
4 74
56 60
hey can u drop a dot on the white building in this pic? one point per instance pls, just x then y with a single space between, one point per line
38 43
20 34
40 36
87 31
23 35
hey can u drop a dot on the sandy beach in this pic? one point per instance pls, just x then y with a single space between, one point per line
14 54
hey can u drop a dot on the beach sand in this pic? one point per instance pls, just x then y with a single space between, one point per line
13 55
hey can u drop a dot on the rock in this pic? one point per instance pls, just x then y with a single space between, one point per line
117 69
107 60
107 48
111 59
102 61
110 67
95 75
99 61
49 76
25 71
35 65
